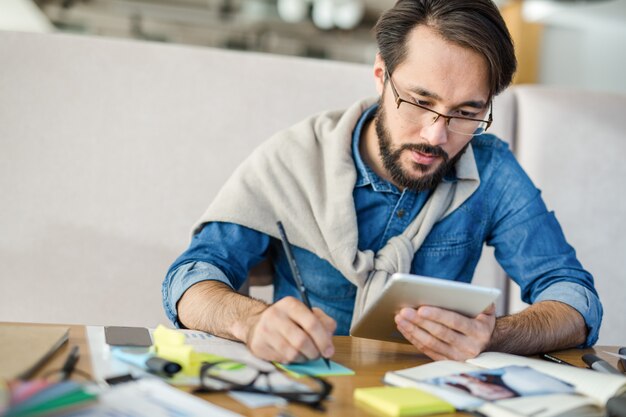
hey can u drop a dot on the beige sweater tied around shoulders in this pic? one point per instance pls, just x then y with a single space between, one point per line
304 176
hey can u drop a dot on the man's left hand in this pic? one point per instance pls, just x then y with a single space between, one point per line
444 334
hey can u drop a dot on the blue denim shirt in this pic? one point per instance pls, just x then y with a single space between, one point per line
506 212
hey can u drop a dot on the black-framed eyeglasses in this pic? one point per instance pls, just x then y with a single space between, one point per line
237 376
417 113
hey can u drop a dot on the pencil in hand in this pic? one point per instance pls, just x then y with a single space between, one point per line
296 272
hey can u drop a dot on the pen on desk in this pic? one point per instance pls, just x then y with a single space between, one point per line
70 363
295 272
599 364
548 357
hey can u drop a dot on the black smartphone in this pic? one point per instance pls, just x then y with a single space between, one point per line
127 336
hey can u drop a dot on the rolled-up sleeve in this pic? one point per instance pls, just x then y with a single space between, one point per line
180 279
222 252
583 300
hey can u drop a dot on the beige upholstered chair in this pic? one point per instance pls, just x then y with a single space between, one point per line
110 150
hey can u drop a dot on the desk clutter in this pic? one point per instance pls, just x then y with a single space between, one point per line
502 385
139 398
156 373
137 373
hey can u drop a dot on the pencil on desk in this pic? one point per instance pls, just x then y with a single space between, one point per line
551 358
70 364
296 272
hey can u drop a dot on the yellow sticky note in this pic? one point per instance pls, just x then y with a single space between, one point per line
182 355
401 402
164 336
170 344
202 357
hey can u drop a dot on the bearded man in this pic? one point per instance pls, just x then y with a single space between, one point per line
407 182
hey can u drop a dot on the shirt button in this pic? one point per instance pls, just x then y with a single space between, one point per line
400 213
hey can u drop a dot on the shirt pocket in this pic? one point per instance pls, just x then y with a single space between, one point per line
448 255
448 243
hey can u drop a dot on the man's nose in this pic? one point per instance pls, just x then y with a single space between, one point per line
435 132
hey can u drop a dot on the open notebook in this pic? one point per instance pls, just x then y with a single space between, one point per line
455 382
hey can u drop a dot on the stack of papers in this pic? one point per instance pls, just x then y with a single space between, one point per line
150 398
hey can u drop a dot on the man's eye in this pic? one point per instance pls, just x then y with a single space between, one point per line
423 102
469 114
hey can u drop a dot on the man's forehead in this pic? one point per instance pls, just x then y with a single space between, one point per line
443 69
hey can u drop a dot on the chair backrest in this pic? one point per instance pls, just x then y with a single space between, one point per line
110 150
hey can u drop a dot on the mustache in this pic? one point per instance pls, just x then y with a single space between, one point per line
426 149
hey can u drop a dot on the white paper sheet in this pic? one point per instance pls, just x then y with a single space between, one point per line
252 400
206 343
150 398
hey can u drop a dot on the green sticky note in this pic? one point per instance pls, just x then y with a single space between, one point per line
400 402
316 368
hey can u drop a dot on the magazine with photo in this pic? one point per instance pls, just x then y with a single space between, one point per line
507 382
499 384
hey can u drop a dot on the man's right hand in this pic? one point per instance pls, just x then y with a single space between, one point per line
287 331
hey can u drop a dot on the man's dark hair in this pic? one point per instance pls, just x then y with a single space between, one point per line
475 24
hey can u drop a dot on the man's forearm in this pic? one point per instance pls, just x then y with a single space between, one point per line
542 327
214 307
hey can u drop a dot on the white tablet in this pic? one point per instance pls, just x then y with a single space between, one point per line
406 290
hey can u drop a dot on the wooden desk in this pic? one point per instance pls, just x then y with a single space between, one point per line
370 359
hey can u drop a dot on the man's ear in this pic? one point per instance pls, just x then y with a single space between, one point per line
379 74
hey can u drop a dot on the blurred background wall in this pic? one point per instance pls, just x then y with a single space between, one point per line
569 43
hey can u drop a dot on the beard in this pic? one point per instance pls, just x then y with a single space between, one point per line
391 159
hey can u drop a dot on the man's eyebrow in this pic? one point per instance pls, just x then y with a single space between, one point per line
477 104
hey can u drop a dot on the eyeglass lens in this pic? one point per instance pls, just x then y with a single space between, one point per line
426 117
236 376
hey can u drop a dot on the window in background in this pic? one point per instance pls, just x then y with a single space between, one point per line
330 29
559 42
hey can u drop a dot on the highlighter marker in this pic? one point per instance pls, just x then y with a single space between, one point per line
146 360
598 364
162 366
